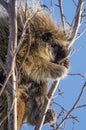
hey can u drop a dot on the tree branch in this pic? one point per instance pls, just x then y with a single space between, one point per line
77 22
2 64
11 64
74 106
78 74
62 14
46 104
4 4
28 48
63 109
23 33
5 82
81 106
9 112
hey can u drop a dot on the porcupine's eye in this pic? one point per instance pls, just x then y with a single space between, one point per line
46 36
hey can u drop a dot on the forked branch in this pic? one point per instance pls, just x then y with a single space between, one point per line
74 107
77 22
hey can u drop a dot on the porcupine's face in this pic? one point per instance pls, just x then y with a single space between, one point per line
50 34
59 50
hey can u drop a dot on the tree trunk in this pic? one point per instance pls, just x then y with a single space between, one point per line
11 65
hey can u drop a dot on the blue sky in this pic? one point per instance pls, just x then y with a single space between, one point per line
71 85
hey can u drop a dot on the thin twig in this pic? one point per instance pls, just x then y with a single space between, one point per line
4 4
71 116
23 33
2 64
5 82
29 45
51 7
78 74
81 33
74 107
9 112
81 106
62 14
74 3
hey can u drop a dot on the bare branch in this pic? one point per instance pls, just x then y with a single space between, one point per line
77 22
80 34
6 79
2 64
81 106
5 82
9 112
63 109
51 5
78 74
62 14
29 45
4 4
53 89
23 33
74 107
46 104
11 64
74 3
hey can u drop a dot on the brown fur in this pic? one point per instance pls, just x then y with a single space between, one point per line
46 47
37 97
29 106
20 112
47 59
4 109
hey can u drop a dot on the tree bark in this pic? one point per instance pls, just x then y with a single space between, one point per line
11 64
